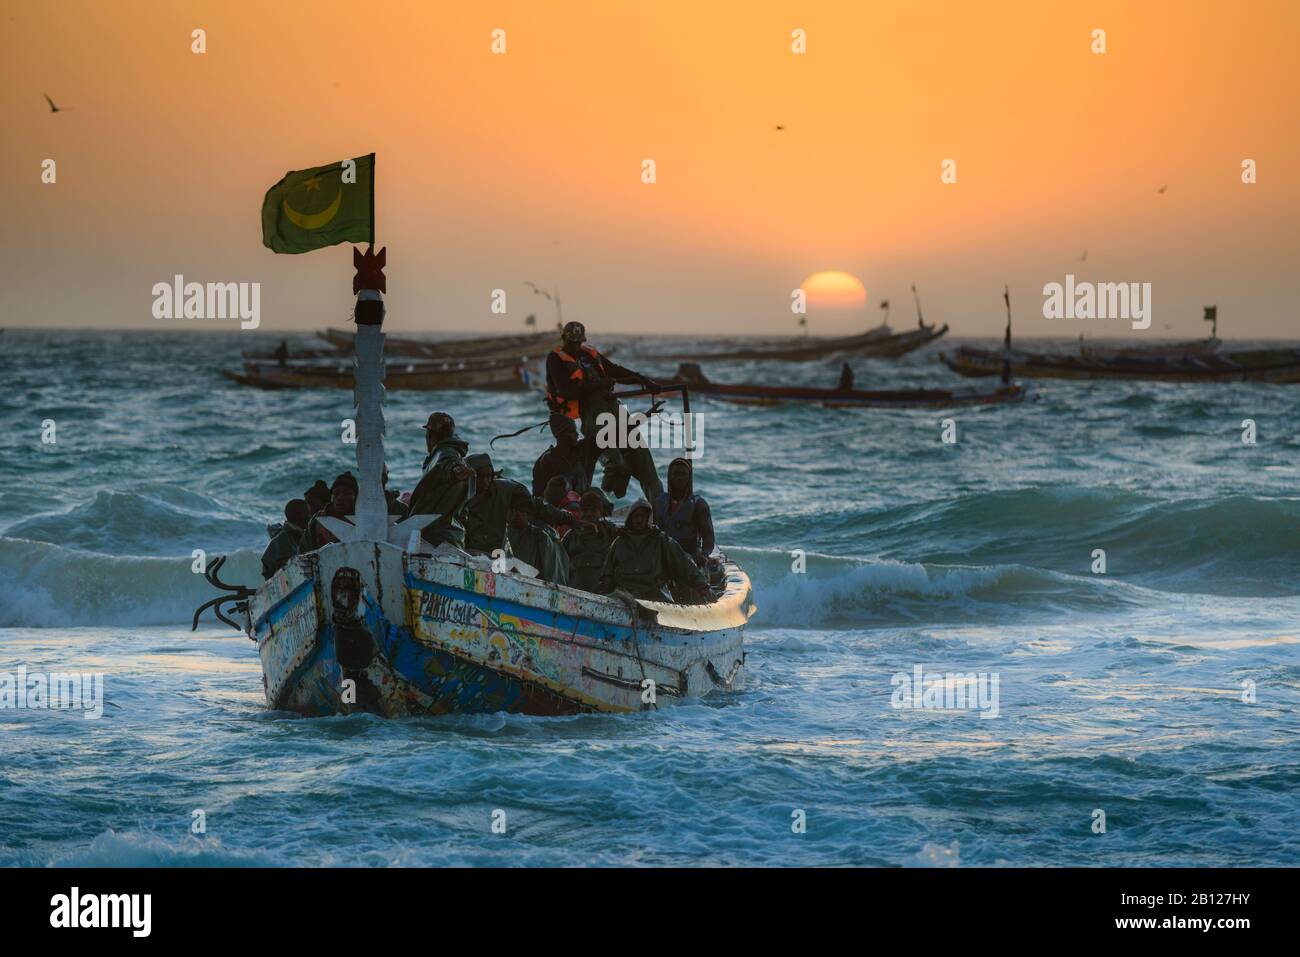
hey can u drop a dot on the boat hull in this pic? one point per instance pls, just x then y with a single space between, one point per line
528 346
1260 365
877 343
503 376
443 634
857 398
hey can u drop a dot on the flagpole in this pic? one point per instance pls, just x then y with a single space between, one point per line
372 200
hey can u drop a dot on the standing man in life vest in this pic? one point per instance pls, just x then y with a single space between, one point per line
579 381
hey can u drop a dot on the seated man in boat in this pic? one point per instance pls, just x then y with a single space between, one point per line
558 495
535 543
342 504
606 506
488 511
646 563
579 381
317 497
569 457
588 543
846 378
287 540
684 516
447 483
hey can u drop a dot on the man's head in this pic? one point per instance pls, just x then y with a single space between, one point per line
573 336
638 520
564 430
679 478
318 496
343 494
521 506
481 463
296 513
439 426
556 490
592 506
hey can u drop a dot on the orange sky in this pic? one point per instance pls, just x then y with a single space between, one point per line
495 169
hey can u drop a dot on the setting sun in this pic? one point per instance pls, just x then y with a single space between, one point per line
832 289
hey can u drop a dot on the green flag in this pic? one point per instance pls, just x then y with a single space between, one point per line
313 208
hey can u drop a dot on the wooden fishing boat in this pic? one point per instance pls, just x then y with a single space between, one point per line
437 633
1158 350
300 355
1252 365
751 394
881 342
496 375
379 622
524 346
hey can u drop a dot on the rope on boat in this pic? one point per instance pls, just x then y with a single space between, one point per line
510 435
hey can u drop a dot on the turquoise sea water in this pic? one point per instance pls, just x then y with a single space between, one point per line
1120 692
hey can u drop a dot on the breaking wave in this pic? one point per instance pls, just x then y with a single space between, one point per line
847 593
1232 545
156 520
44 585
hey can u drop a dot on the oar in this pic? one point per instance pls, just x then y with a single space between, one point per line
669 387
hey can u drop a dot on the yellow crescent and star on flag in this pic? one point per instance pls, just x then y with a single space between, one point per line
322 206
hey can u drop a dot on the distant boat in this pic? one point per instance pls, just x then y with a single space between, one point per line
751 394
530 345
880 342
1196 361
495 375
300 355
1252 365
1172 350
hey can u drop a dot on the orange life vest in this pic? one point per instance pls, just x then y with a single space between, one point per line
558 402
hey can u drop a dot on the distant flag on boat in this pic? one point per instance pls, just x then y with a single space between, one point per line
323 206
884 304
1211 313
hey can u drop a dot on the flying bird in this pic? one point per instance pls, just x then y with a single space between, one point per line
533 287
1084 257
1163 188
779 127
53 107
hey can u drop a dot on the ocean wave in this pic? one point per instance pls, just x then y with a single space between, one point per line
49 586
849 593
133 849
153 520
1232 545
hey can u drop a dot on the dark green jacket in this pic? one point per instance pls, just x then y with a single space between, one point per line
587 546
440 493
285 543
486 515
650 565
539 547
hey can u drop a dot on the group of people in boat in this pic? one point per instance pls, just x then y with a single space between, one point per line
562 525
